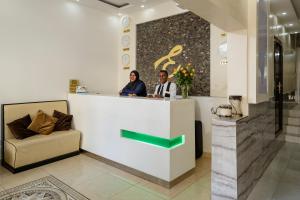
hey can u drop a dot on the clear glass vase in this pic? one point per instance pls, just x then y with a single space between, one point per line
185 91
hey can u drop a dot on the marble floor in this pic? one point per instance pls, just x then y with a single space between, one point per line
281 181
99 181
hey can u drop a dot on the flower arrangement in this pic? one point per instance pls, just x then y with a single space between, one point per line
184 78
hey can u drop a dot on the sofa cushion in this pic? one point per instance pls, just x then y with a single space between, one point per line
12 112
19 127
64 121
42 123
18 153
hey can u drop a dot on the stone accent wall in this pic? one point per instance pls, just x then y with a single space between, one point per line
156 39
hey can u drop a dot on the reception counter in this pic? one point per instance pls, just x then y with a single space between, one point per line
152 137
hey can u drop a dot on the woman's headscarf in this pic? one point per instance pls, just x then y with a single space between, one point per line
136 73
132 85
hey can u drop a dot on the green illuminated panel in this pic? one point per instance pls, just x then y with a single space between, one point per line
157 141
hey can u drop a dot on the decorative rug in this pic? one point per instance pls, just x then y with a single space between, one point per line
47 188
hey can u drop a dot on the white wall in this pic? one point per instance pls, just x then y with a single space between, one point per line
46 43
218 71
237 67
203 114
289 72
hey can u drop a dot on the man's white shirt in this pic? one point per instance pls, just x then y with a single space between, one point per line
172 90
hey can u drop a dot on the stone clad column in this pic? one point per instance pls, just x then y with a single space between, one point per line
224 159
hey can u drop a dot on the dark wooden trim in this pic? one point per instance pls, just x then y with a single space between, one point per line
113 4
38 164
3 135
138 173
9 104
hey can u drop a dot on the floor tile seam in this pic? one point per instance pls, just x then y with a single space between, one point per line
151 191
279 189
159 194
80 183
124 190
204 188
274 191
51 172
294 183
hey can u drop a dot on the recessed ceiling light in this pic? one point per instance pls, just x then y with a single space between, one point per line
271 16
284 13
143 6
77 0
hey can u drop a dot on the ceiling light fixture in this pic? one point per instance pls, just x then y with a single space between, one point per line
143 6
284 13
283 34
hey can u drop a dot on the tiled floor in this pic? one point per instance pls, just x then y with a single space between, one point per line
281 180
99 181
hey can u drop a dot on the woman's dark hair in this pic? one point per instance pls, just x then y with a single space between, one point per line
136 73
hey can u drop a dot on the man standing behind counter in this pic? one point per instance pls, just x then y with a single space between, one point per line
165 88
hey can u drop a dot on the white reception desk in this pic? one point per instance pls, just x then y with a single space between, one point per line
153 136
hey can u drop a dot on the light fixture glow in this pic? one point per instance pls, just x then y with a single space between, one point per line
119 14
283 34
284 13
143 6
154 140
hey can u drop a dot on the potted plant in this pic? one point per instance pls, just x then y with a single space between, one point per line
184 78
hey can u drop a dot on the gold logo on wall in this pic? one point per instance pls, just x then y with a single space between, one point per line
174 52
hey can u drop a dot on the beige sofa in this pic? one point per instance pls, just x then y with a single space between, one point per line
20 155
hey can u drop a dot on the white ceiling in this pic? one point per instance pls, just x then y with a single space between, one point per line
134 5
280 6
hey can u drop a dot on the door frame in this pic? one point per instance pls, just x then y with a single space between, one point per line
279 103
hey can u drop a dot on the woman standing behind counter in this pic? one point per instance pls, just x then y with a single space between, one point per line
135 87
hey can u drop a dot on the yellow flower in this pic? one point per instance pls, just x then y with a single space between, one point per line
184 71
191 74
193 70
185 75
